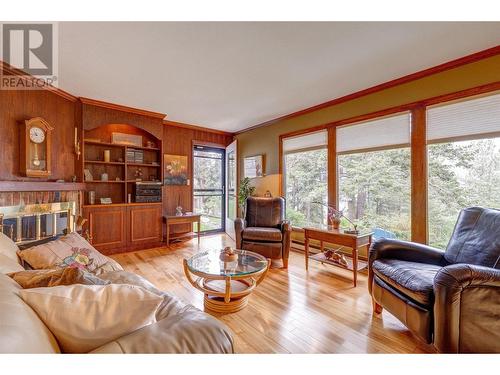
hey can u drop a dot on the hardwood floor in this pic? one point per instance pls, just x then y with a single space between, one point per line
291 311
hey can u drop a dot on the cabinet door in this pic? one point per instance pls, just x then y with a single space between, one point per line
145 226
107 226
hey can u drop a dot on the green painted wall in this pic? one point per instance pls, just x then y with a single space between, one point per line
265 140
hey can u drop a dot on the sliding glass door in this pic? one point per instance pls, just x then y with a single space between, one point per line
208 187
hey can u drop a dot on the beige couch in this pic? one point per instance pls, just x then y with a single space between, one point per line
179 328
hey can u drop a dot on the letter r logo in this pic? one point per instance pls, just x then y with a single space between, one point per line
29 47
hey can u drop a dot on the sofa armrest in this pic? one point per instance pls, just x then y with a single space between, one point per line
239 226
405 250
191 331
466 309
402 250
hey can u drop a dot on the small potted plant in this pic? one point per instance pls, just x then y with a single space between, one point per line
334 217
245 190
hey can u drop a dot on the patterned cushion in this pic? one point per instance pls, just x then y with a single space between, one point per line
71 250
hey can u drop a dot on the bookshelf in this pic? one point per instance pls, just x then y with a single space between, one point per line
126 165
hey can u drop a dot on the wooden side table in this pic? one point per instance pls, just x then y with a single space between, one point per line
184 219
339 237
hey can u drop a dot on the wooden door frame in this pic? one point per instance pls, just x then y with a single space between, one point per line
194 143
236 166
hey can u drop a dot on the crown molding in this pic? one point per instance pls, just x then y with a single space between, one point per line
10 70
119 107
481 55
196 127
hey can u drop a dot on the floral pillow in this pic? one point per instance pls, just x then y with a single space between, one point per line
71 250
80 258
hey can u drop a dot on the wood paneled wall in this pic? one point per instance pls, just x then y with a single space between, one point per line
66 113
179 140
18 106
94 116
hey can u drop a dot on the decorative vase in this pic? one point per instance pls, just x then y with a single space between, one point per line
91 197
107 156
336 223
178 211
104 177
228 255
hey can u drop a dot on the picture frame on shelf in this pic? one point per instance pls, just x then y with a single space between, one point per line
87 175
106 201
126 139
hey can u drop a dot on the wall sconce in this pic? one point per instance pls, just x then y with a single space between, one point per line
78 152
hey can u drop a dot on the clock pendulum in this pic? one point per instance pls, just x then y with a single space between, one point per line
36 161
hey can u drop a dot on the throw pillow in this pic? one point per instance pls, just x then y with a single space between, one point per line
8 265
71 250
84 317
55 277
8 247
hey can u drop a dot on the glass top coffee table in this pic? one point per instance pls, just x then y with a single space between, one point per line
226 284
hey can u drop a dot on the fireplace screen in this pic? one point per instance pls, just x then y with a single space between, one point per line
32 222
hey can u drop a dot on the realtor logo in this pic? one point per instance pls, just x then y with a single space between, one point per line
31 48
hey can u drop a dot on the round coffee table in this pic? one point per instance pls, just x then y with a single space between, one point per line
226 285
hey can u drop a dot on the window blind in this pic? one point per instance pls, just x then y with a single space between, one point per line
473 117
384 132
304 142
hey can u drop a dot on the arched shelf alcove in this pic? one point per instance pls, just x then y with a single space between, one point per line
116 156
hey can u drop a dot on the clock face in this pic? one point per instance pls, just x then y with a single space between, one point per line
37 135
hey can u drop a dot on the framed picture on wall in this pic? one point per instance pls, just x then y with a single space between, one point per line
254 166
175 169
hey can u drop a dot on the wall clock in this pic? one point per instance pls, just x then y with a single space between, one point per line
36 141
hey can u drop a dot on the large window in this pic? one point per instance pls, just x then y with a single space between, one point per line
464 162
374 175
305 182
374 170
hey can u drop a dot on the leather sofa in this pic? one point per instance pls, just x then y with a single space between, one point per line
179 328
449 298
264 229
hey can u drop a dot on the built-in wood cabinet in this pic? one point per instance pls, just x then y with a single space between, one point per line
111 171
145 225
119 228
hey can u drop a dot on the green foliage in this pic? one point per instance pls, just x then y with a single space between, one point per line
374 190
297 218
306 182
461 174
245 190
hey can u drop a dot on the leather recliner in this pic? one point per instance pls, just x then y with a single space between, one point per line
449 298
264 229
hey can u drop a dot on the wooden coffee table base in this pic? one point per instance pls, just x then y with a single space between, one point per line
217 304
226 294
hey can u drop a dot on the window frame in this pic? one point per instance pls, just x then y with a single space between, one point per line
296 151
418 150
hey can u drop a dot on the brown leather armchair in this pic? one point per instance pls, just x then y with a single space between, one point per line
449 298
264 229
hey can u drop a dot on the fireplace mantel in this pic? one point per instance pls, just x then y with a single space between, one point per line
40 186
